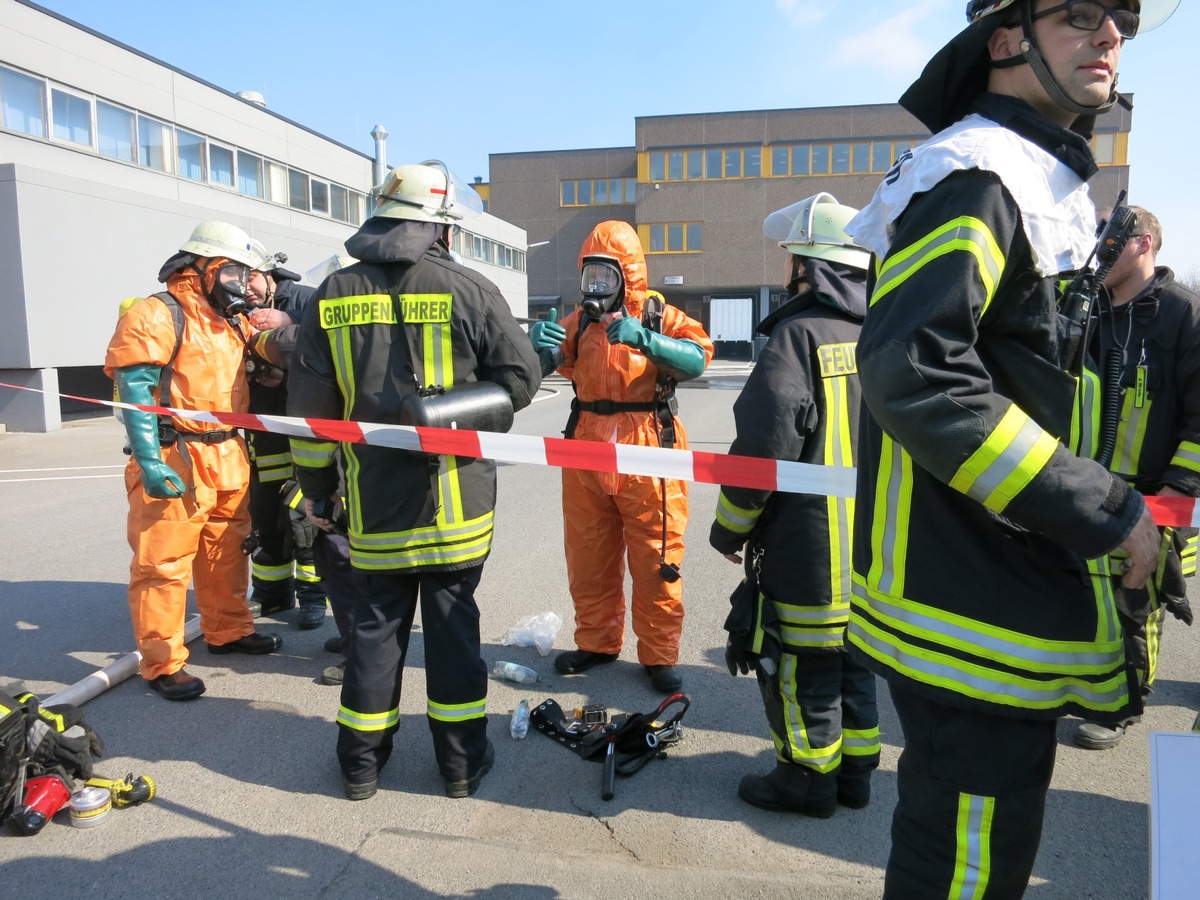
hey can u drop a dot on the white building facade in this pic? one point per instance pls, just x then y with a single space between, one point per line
108 159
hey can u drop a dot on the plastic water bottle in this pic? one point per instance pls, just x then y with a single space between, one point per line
515 672
520 721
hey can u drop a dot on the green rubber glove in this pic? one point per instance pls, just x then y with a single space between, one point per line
136 384
682 360
547 336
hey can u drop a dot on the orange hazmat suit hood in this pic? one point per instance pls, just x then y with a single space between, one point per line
619 241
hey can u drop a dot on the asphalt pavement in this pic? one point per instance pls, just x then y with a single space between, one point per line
249 796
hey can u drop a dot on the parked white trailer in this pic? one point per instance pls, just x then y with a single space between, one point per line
731 319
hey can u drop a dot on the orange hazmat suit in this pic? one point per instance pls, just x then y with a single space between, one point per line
196 537
606 516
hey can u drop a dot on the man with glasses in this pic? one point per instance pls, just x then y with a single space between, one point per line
187 483
982 591
1149 331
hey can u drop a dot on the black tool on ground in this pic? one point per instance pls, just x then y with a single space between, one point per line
624 743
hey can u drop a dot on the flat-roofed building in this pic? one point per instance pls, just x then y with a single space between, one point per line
697 187
109 158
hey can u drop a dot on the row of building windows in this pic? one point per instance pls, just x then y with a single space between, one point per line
472 246
112 131
599 191
672 237
809 158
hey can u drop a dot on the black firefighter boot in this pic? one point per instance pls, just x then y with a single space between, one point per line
791 788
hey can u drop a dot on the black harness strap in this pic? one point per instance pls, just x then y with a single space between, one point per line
664 405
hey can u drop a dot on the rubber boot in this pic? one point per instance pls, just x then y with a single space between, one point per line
791 788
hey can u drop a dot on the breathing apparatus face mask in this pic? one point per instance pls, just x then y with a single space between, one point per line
228 292
602 286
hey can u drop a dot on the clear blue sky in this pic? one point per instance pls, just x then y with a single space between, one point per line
459 81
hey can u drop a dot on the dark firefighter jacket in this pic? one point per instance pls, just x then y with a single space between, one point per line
975 523
1154 343
272 459
405 308
801 403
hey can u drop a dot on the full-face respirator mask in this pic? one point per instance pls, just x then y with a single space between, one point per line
227 293
602 286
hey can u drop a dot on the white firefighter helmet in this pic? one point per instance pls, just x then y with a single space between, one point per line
816 226
220 239
327 267
264 261
1151 13
426 192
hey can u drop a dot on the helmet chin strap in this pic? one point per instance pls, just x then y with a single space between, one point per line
1032 55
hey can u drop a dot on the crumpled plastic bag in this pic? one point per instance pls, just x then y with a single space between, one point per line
534 631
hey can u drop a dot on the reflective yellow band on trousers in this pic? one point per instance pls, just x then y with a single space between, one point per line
360 721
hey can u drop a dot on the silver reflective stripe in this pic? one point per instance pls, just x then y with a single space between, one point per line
734 518
891 534
969 873
1004 465
910 619
973 681
368 721
455 712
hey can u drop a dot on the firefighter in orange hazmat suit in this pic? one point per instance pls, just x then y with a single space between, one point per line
624 350
187 483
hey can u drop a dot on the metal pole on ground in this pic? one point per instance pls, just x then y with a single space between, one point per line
113 674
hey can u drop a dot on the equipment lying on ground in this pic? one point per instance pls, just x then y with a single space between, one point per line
43 750
624 743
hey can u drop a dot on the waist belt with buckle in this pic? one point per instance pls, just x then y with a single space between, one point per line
612 407
169 435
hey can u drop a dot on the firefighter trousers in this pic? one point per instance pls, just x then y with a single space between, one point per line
455 675
194 538
822 713
281 567
972 792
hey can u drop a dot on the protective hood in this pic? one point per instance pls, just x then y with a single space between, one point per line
835 285
383 240
175 265
955 76
620 241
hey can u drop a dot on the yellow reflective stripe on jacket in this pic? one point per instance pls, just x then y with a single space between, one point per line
889 529
839 451
959 638
1103 578
437 350
812 627
734 518
861 741
281 572
273 466
455 712
312 454
429 545
973 847
1188 556
965 233
1085 415
1131 434
361 721
1187 456
1006 462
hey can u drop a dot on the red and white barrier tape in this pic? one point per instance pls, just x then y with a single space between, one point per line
627 459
